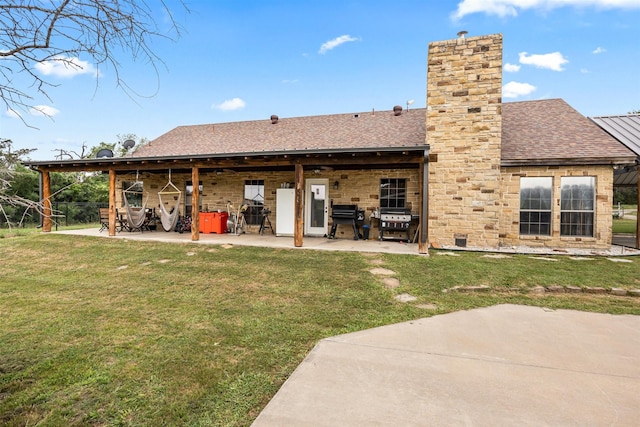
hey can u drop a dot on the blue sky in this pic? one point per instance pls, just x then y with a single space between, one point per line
246 60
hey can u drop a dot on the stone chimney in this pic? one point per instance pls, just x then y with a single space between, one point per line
464 131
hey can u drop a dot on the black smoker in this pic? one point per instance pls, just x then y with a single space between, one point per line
347 215
395 219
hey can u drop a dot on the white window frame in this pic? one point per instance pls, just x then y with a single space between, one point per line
536 206
577 206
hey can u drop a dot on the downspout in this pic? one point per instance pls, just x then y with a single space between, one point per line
423 246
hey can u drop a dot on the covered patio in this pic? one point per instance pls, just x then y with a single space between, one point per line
301 165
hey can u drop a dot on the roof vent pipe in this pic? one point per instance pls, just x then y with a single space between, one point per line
397 110
274 119
462 33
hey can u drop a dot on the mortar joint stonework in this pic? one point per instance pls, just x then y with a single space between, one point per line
464 81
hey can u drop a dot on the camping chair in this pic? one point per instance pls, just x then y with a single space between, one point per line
169 218
104 218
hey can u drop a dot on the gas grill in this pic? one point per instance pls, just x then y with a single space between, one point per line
395 220
347 215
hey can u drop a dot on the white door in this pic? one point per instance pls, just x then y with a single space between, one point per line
316 207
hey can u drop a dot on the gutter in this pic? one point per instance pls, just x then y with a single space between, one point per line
159 159
593 161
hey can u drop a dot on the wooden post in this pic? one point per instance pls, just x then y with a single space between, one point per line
112 202
195 204
423 246
299 207
46 202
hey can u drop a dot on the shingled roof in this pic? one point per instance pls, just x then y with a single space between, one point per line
533 132
550 131
379 129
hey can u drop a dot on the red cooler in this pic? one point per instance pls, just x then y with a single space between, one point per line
219 222
206 222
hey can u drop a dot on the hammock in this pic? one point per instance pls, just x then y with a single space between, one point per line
135 218
169 219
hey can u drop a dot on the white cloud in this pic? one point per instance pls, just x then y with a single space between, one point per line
12 113
515 89
599 50
504 8
584 71
511 68
65 67
551 61
43 110
332 44
230 105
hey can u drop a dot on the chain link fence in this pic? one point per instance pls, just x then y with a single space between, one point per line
64 214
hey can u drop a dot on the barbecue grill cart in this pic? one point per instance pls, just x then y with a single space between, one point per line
396 220
346 215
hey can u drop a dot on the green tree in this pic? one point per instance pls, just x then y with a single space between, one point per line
14 204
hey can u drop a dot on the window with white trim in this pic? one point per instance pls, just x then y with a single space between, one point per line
188 198
254 198
577 205
535 205
393 193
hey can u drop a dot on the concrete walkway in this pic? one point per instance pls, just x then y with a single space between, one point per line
505 365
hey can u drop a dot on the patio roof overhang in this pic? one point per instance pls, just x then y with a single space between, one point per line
577 161
360 158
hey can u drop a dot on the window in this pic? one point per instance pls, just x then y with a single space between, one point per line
188 197
254 196
393 193
535 206
577 205
132 190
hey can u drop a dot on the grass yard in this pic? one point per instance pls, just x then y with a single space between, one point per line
624 226
116 332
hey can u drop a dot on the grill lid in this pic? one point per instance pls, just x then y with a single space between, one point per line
395 211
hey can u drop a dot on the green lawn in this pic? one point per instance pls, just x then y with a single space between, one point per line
624 226
109 332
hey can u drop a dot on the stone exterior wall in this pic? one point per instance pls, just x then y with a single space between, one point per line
464 96
360 187
510 207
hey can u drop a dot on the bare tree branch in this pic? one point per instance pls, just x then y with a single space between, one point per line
62 31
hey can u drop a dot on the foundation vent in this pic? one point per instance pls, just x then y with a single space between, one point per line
460 240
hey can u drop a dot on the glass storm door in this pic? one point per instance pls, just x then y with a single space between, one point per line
316 207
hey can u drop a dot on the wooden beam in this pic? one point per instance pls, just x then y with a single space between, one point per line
298 230
195 204
46 201
112 202
410 159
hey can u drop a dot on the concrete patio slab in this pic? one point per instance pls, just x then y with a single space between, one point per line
498 366
255 239
338 244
